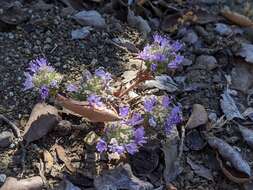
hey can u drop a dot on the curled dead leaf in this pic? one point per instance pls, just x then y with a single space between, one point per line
33 183
198 117
231 173
63 157
42 120
87 111
247 135
228 153
237 18
48 159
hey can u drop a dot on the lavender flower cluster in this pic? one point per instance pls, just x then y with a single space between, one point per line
162 54
121 139
42 77
92 87
161 113
125 136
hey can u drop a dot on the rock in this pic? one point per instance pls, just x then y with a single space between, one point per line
187 62
120 178
223 29
81 33
90 18
205 62
139 23
190 37
242 78
6 138
246 51
198 117
2 178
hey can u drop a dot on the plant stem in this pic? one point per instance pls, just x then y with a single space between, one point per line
141 77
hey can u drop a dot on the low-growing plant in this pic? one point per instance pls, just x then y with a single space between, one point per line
126 134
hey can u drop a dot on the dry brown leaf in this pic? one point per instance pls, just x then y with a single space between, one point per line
237 18
229 154
230 173
33 183
42 119
63 157
87 111
48 159
198 117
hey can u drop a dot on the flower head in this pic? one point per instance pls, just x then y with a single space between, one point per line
124 111
173 119
72 88
44 92
28 84
139 136
131 148
176 62
166 101
149 104
42 77
94 100
136 119
101 146
162 54
102 74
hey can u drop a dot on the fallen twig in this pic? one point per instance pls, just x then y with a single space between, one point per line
181 146
15 129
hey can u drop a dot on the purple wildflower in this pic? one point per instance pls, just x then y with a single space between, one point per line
102 74
72 88
145 54
94 100
158 57
176 46
123 111
40 64
136 119
131 148
176 62
101 146
44 92
28 84
162 41
149 104
139 136
166 101
152 121
54 83
173 119
115 148
153 67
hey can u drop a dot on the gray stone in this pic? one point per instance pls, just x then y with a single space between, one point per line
2 178
120 178
6 138
206 62
187 62
81 33
90 18
223 29
190 37
242 78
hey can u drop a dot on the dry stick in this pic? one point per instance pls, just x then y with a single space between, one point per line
181 146
143 77
17 133
15 129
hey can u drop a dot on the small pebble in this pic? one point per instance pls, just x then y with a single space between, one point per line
2 178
